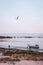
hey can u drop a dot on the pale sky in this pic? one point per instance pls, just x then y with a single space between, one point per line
30 14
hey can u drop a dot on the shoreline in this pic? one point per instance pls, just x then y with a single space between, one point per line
23 62
21 57
6 37
24 55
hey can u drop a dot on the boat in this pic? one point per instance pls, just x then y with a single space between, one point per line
33 47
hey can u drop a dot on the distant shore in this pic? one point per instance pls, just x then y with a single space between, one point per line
1 37
4 37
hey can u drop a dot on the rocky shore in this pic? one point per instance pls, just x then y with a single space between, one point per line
24 55
21 55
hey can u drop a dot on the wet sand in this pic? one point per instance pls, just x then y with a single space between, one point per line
24 62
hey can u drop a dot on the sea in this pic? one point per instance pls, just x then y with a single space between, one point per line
21 40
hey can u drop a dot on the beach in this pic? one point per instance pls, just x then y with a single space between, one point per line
14 51
21 32
19 55
24 62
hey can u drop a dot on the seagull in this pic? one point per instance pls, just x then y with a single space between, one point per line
17 17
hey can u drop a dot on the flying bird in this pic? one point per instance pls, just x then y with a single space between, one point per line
17 17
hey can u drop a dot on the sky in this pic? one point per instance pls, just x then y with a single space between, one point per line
30 14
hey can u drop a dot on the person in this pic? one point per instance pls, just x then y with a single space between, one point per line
9 47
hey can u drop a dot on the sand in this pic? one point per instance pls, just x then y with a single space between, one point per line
24 62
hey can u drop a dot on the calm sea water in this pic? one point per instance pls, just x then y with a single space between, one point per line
22 42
